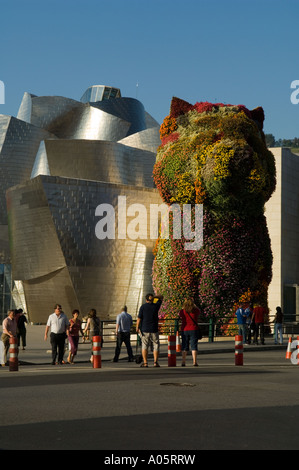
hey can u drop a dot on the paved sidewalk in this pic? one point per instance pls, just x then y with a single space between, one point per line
38 351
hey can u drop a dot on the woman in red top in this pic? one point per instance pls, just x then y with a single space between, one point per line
189 318
73 337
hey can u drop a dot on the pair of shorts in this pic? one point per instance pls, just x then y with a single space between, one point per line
147 338
189 337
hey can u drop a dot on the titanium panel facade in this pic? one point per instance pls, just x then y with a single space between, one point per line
19 143
56 252
72 156
95 160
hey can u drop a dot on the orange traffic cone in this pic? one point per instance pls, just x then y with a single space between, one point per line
289 349
171 351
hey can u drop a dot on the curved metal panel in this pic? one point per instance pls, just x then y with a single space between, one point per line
47 112
21 141
149 139
92 123
95 160
25 108
41 166
129 109
35 248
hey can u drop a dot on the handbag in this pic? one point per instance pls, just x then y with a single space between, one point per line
199 333
138 356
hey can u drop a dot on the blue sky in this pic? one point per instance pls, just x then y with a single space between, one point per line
231 51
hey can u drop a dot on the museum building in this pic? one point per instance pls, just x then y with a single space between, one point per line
60 160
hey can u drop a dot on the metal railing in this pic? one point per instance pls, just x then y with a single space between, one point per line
166 327
211 330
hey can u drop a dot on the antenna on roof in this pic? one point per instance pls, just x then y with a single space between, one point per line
137 85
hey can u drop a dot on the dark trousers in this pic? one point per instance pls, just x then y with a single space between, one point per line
248 334
259 331
22 335
123 337
6 344
58 343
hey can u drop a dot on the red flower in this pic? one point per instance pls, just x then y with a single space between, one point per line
170 138
179 107
204 106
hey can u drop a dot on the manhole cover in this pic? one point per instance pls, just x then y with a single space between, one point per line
178 384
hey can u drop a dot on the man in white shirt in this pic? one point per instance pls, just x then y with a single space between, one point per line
59 325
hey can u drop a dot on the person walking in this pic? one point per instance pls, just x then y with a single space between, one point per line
75 328
21 331
248 322
124 323
147 326
9 327
278 321
189 328
241 321
59 325
259 317
94 326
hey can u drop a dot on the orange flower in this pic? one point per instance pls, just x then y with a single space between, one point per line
168 126
200 193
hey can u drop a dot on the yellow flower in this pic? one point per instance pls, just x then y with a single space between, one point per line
223 154
185 192
257 177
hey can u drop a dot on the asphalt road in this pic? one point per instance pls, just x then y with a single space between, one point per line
217 406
